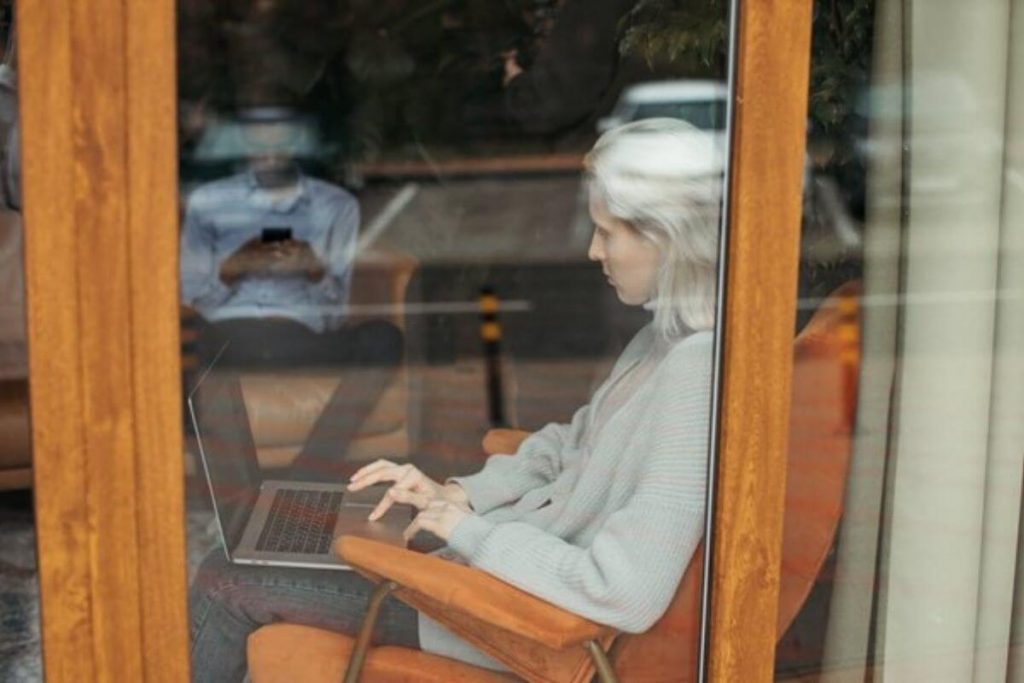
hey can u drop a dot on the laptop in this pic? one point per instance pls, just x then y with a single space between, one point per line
272 522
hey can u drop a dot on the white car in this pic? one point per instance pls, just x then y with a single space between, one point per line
702 103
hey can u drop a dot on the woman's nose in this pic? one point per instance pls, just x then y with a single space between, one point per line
594 252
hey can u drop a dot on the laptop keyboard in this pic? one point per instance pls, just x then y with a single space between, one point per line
300 522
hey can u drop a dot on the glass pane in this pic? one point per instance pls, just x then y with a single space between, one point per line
389 249
20 654
901 559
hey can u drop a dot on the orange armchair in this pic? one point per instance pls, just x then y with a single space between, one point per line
544 644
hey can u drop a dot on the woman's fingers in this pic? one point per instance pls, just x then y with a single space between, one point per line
428 520
387 471
404 476
413 528
372 467
382 507
438 517
370 480
398 495
410 485
412 478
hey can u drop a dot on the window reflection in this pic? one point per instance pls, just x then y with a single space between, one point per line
391 245
914 495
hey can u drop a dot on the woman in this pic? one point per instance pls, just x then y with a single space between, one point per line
599 516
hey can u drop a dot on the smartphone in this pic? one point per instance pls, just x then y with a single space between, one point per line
276 234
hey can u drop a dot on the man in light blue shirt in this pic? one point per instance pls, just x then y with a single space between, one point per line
266 262
270 242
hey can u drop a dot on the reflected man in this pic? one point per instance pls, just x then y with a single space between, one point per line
266 261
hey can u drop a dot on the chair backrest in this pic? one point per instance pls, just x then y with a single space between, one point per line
283 407
380 279
825 365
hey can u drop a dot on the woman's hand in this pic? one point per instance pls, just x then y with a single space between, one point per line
411 487
439 518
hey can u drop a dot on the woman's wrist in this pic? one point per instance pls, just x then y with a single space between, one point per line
453 493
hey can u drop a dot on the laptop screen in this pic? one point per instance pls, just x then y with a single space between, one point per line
227 451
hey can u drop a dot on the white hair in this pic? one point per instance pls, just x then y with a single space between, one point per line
663 177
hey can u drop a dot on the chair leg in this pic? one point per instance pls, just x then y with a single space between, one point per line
605 673
358 658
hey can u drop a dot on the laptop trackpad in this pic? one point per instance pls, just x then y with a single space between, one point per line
352 522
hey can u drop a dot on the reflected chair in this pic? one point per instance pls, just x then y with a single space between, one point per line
283 405
542 643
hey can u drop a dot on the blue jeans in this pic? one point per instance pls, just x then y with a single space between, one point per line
227 602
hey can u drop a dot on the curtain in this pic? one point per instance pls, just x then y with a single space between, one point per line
929 563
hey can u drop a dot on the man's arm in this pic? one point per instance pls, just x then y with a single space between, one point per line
288 259
338 258
201 286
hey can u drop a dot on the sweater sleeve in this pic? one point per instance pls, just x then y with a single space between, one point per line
543 455
540 458
627 576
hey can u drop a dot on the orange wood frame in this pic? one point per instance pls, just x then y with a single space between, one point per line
100 193
769 136
98 108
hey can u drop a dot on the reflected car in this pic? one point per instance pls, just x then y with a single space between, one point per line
702 103
950 130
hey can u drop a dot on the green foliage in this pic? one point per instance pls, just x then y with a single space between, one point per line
695 31
666 32
396 72
840 68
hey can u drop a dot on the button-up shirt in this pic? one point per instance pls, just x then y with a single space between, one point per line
223 215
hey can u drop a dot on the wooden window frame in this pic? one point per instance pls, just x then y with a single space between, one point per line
771 56
99 120
98 111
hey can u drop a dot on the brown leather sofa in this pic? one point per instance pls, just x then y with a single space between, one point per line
15 445
542 643
15 438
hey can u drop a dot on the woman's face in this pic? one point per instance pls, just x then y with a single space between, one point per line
629 260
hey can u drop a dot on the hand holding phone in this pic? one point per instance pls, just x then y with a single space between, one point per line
270 235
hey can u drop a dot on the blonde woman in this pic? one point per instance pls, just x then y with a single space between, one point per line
599 516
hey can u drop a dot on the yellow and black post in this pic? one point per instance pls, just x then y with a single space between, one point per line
490 334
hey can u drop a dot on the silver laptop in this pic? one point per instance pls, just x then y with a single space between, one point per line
275 522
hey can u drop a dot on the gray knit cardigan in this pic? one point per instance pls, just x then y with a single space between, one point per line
605 530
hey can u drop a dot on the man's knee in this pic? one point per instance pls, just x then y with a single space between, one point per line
379 342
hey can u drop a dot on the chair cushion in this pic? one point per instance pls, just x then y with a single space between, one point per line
505 441
282 406
282 653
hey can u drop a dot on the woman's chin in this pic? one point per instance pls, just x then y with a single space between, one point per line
628 299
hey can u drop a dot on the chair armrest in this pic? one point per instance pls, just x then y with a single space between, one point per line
504 441
474 593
